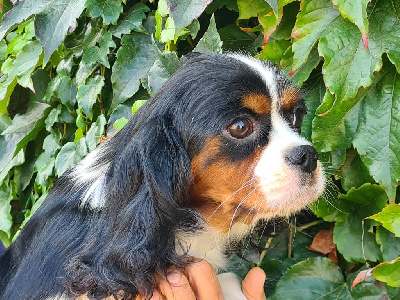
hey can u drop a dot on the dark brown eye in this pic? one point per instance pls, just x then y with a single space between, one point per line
241 128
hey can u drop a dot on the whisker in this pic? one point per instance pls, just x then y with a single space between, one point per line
246 184
237 208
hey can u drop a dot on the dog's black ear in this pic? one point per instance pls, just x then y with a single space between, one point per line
146 184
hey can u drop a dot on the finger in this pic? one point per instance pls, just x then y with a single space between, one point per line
204 281
175 287
253 285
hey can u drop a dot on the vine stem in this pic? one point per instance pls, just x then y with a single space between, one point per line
292 232
262 254
311 224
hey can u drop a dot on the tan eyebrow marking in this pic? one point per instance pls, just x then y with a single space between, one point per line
258 103
289 97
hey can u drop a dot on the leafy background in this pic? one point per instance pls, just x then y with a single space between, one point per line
74 71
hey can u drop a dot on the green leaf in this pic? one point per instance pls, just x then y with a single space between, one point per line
87 94
385 30
5 213
24 9
52 118
354 173
211 41
336 129
185 11
274 5
109 10
15 161
120 123
356 12
133 20
138 104
21 69
94 56
96 130
347 65
352 226
378 133
234 38
314 18
44 166
390 218
274 51
23 129
54 21
134 60
388 272
254 8
389 243
164 66
314 278
69 155
52 142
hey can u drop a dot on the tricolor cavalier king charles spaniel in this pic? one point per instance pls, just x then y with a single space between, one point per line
212 153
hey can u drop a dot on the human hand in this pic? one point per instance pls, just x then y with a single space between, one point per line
198 281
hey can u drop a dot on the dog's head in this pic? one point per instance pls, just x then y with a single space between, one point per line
218 144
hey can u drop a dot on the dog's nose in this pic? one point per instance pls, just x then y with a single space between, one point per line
305 157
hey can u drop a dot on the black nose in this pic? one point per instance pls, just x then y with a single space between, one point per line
305 157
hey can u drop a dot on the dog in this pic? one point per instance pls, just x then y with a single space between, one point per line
213 152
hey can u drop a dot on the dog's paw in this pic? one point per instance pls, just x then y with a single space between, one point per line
231 287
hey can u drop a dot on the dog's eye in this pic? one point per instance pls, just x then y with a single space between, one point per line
298 116
240 128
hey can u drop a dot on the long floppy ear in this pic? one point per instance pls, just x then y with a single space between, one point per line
145 184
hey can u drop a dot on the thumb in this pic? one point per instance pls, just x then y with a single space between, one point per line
253 285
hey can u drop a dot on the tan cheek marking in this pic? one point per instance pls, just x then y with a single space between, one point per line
258 103
289 98
223 180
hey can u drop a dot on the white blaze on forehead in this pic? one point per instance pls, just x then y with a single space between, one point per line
281 183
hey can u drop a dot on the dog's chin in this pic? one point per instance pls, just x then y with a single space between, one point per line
290 192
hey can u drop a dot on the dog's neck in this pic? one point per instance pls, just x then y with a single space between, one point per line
210 244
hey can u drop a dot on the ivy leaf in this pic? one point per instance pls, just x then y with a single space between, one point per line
133 20
5 213
254 8
390 218
20 69
93 56
388 272
347 66
52 118
69 155
356 12
120 123
15 161
211 41
314 278
87 94
96 130
185 11
44 166
378 133
353 172
337 129
274 5
134 60
54 21
51 142
109 10
314 18
24 9
164 66
23 129
385 30
389 243
353 227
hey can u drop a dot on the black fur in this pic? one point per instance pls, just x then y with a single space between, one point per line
77 249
